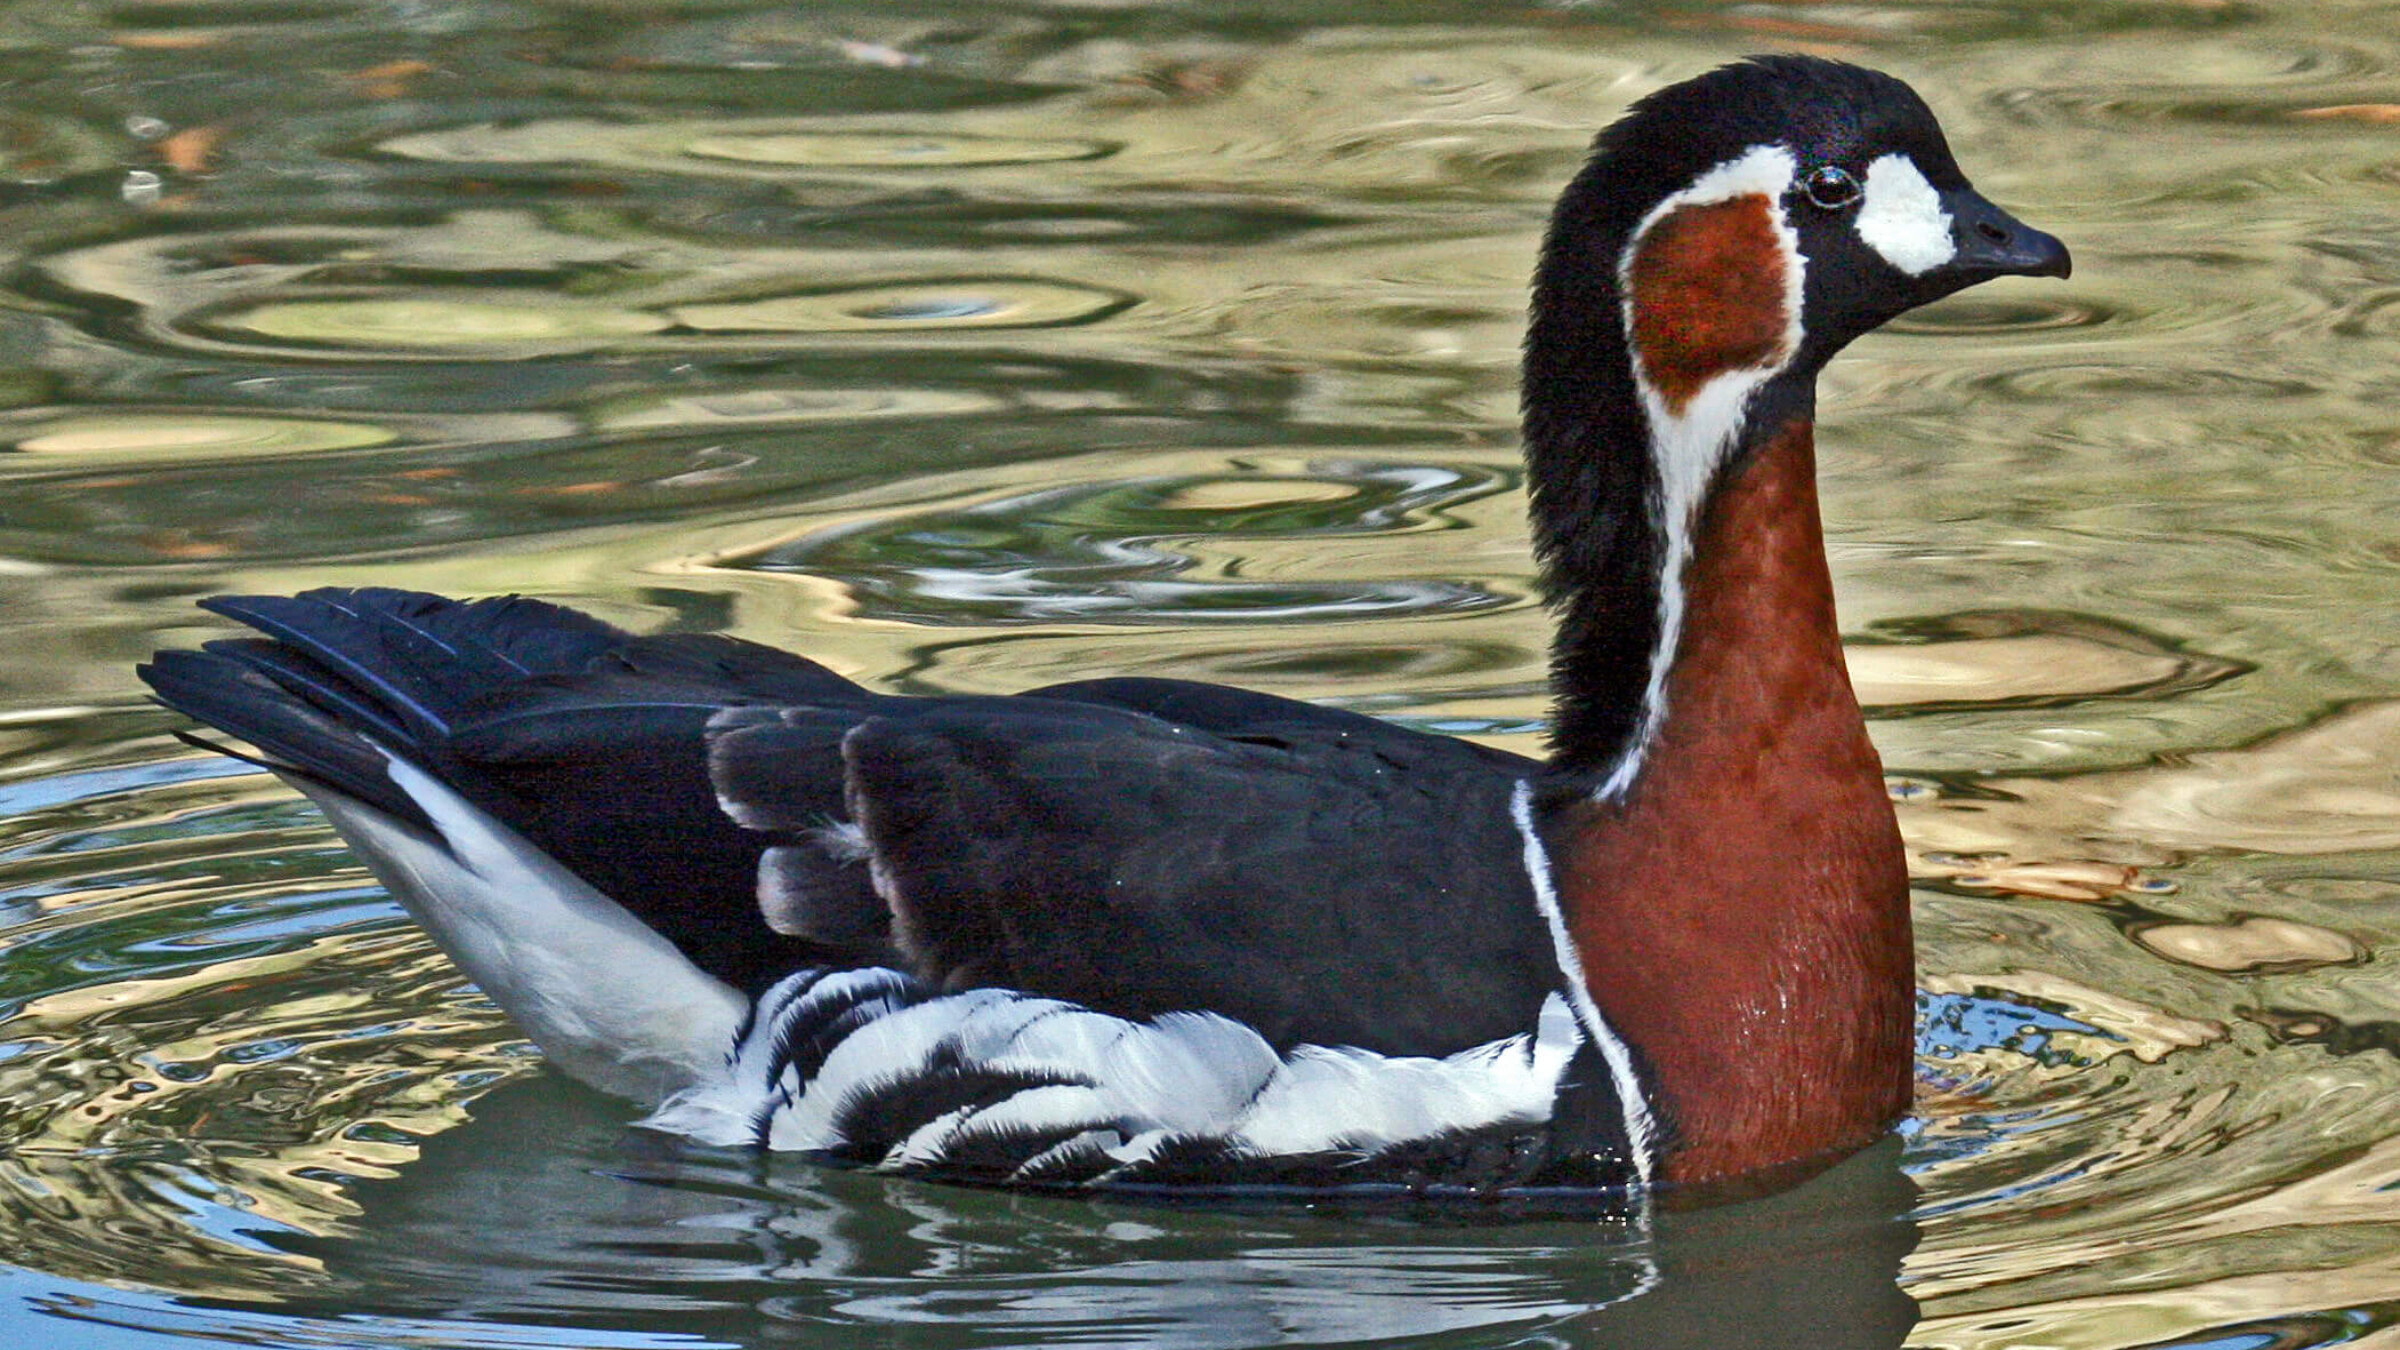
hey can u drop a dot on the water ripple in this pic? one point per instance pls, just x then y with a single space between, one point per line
1003 302
1101 553
157 437
1016 325
749 149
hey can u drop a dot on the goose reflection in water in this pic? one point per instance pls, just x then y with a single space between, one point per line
544 1209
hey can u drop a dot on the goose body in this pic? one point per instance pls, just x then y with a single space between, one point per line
1151 933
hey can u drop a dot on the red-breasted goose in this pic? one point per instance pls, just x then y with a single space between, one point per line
1148 933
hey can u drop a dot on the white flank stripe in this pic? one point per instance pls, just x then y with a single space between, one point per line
1902 217
1689 447
1641 1131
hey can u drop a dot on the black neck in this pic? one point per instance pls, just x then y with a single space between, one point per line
1592 480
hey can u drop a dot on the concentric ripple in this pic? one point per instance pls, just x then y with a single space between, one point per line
1106 553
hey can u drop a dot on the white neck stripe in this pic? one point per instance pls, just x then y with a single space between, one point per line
1689 446
1641 1129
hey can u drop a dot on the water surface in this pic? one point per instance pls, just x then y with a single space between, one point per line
975 346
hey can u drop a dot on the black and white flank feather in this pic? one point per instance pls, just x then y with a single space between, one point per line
1134 933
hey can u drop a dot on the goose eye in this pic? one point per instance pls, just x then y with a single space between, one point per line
1830 187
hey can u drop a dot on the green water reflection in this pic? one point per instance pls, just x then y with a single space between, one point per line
977 346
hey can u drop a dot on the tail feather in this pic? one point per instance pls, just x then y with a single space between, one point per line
296 738
730 666
587 742
566 888
656 683
425 657
310 680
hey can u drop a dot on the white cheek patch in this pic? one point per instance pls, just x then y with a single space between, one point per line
1902 217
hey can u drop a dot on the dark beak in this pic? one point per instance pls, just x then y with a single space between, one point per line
1993 243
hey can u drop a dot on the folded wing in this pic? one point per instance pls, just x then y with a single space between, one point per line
1138 847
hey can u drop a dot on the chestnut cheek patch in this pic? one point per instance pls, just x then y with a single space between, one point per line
1707 295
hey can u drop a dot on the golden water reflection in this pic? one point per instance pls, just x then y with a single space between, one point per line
971 350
